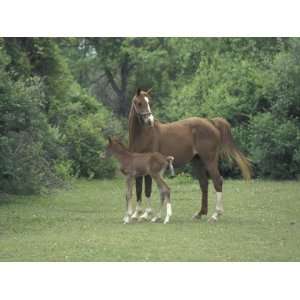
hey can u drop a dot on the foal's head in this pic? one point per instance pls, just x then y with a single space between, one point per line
114 146
140 103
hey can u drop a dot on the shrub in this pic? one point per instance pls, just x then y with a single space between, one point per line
275 146
85 139
24 168
29 147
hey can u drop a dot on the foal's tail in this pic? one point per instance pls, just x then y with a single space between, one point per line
230 150
170 160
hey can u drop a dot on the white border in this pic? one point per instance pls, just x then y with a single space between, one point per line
158 280
149 281
150 18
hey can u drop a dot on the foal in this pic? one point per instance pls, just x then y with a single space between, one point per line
142 164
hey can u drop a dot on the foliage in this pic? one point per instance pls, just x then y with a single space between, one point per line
29 151
85 140
44 112
275 147
61 97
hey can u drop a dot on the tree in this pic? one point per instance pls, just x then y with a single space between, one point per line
113 68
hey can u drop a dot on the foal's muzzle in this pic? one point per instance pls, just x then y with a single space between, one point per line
102 155
105 154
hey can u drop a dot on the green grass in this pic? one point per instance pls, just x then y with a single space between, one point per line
261 223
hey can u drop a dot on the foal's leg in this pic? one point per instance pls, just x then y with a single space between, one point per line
164 197
128 213
212 167
148 187
199 171
138 188
168 206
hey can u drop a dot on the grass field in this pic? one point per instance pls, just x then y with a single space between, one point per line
84 223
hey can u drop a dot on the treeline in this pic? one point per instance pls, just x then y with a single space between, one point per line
60 97
51 128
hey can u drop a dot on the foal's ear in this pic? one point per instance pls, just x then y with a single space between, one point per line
138 91
149 91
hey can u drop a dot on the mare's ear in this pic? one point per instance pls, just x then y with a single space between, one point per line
109 139
149 91
138 91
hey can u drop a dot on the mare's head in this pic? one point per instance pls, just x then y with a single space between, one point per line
113 146
141 107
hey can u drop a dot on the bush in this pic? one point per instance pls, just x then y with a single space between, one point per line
51 129
85 140
275 146
28 148
24 168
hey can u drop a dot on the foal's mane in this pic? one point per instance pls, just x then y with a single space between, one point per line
122 145
115 144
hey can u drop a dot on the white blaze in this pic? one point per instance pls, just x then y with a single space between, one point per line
148 106
150 117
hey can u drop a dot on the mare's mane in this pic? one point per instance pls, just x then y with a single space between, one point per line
133 124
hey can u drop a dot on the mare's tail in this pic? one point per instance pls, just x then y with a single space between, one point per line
170 160
229 148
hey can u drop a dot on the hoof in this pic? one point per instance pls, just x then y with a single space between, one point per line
155 219
212 220
126 220
166 221
196 216
144 217
136 215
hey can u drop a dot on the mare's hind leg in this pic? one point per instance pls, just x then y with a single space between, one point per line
212 168
138 188
199 171
148 187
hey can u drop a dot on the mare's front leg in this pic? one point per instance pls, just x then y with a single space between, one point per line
148 188
138 188
128 212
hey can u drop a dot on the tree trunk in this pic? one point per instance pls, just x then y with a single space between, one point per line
121 91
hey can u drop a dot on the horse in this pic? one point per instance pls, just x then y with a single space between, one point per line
200 141
153 164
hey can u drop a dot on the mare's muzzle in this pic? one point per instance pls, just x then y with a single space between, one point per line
146 119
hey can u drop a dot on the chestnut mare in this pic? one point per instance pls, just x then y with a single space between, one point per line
197 140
